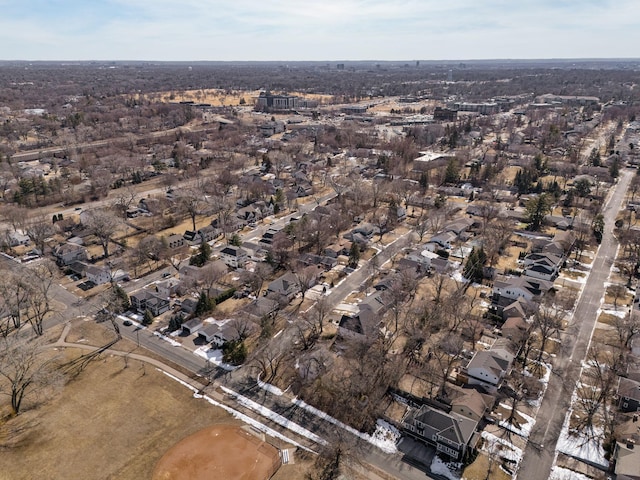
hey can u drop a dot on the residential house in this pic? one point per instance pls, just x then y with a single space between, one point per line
444 239
544 266
364 326
68 253
168 287
144 300
451 433
207 234
469 402
286 285
628 395
488 368
269 235
188 306
303 190
192 326
233 256
18 239
262 307
366 230
517 308
361 327
97 275
219 333
520 287
627 460
514 329
459 226
175 241
342 247
421 258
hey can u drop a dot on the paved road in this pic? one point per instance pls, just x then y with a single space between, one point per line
359 277
540 452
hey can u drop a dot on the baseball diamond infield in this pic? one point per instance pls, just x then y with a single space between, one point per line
219 452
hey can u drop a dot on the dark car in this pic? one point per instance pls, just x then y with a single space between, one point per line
127 323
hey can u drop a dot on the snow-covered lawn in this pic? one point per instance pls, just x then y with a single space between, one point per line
503 449
560 473
167 339
269 388
620 313
273 416
580 446
213 355
240 416
385 437
523 429
447 470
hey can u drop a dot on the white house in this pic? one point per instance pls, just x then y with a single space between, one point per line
97 275
68 253
520 287
234 257
488 368
168 287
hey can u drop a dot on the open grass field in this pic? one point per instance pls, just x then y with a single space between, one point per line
112 421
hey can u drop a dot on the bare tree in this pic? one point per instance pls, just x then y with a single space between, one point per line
24 369
39 305
14 292
190 200
39 230
617 291
103 224
125 198
270 362
547 322
255 280
594 390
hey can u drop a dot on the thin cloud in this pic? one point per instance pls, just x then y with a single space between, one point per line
317 29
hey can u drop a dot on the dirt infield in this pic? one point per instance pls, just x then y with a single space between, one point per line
221 451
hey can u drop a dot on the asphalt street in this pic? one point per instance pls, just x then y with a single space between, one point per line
539 454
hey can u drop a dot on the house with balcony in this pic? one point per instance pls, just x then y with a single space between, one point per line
144 300
450 433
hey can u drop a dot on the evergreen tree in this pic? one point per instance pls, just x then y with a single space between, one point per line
354 255
452 173
537 209
148 318
473 269
205 304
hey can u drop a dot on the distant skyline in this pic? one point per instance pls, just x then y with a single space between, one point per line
317 30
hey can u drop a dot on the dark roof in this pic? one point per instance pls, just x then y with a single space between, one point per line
451 426
629 389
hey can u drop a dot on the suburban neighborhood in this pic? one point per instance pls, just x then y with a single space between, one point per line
434 276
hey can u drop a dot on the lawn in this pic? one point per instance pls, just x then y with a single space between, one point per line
113 420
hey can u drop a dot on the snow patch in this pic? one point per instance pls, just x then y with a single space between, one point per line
579 446
213 355
269 388
616 313
167 339
274 417
524 429
384 441
445 469
503 448
560 473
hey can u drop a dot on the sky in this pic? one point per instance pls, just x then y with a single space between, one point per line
318 30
